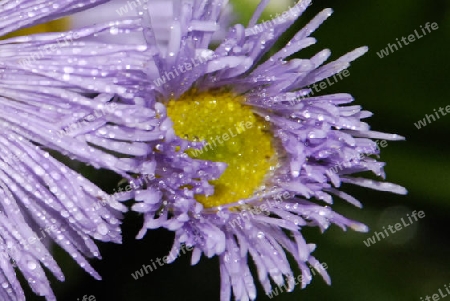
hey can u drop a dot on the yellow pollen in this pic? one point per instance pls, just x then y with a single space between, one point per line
233 135
52 26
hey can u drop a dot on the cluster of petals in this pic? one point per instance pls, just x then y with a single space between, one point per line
47 86
316 134
49 81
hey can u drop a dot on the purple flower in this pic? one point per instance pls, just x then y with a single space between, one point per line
49 83
250 154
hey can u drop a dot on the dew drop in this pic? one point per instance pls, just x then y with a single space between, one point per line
102 229
31 265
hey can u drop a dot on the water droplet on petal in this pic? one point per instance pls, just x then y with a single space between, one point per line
102 229
31 265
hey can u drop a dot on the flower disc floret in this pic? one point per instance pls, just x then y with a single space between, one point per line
233 134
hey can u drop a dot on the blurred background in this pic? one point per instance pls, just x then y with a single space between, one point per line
399 89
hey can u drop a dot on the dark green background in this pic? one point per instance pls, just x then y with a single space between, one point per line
399 89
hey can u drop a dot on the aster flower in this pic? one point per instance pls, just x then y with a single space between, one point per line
249 157
48 82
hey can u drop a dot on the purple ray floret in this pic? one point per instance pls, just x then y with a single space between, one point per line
58 93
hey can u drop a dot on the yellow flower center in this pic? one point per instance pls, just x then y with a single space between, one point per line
52 26
233 134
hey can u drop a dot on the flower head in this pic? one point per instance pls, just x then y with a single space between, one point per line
50 82
251 154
